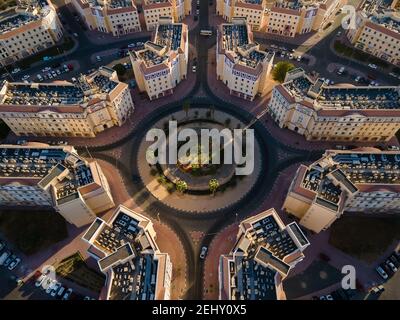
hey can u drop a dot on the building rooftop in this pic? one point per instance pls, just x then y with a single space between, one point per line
235 38
339 171
57 94
60 167
130 255
262 255
381 13
169 38
343 97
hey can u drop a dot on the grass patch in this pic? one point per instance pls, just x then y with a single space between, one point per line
67 45
74 268
358 54
365 238
32 231
4 130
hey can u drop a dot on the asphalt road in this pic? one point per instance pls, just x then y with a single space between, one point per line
183 223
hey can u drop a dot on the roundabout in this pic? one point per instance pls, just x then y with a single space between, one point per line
198 194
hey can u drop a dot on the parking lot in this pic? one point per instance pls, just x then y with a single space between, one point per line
42 285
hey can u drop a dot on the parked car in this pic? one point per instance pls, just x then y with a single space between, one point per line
40 280
26 77
131 45
357 79
4 256
382 273
193 68
14 263
16 70
372 66
396 262
60 292
98 58
67 294
55 289
391 265
75 35
9 260
203 252
47 283
52 284
2 245
340 70
329 297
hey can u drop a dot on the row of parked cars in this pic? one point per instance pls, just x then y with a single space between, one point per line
390 266
7 258
55 289
51 286
286 53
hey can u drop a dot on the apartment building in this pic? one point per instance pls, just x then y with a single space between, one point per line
360 180
252 10
26 30
162 64
291 18
82 109
341 112
37 174
241 65
377 30
263 255
175 9
117 17
126 250
284 18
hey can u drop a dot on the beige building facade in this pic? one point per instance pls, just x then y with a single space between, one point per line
377 32
283 18
241 65
91 105
263 255
338 113
162 64
360 180
37 174
26 30
126 251
117 17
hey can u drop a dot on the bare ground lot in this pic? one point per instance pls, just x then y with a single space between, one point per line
32 230
365 238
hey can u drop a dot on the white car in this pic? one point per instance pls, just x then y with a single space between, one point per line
49 289
298 58
55 289
47 283
26 77
14 263
132 45
98 58
75 35
67 294
194 69
329 297
382 273
357 79
391 265
16 70
40 280
372 66
60 292
203 252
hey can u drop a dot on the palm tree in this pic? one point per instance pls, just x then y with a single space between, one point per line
181 186
213 185
186 107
